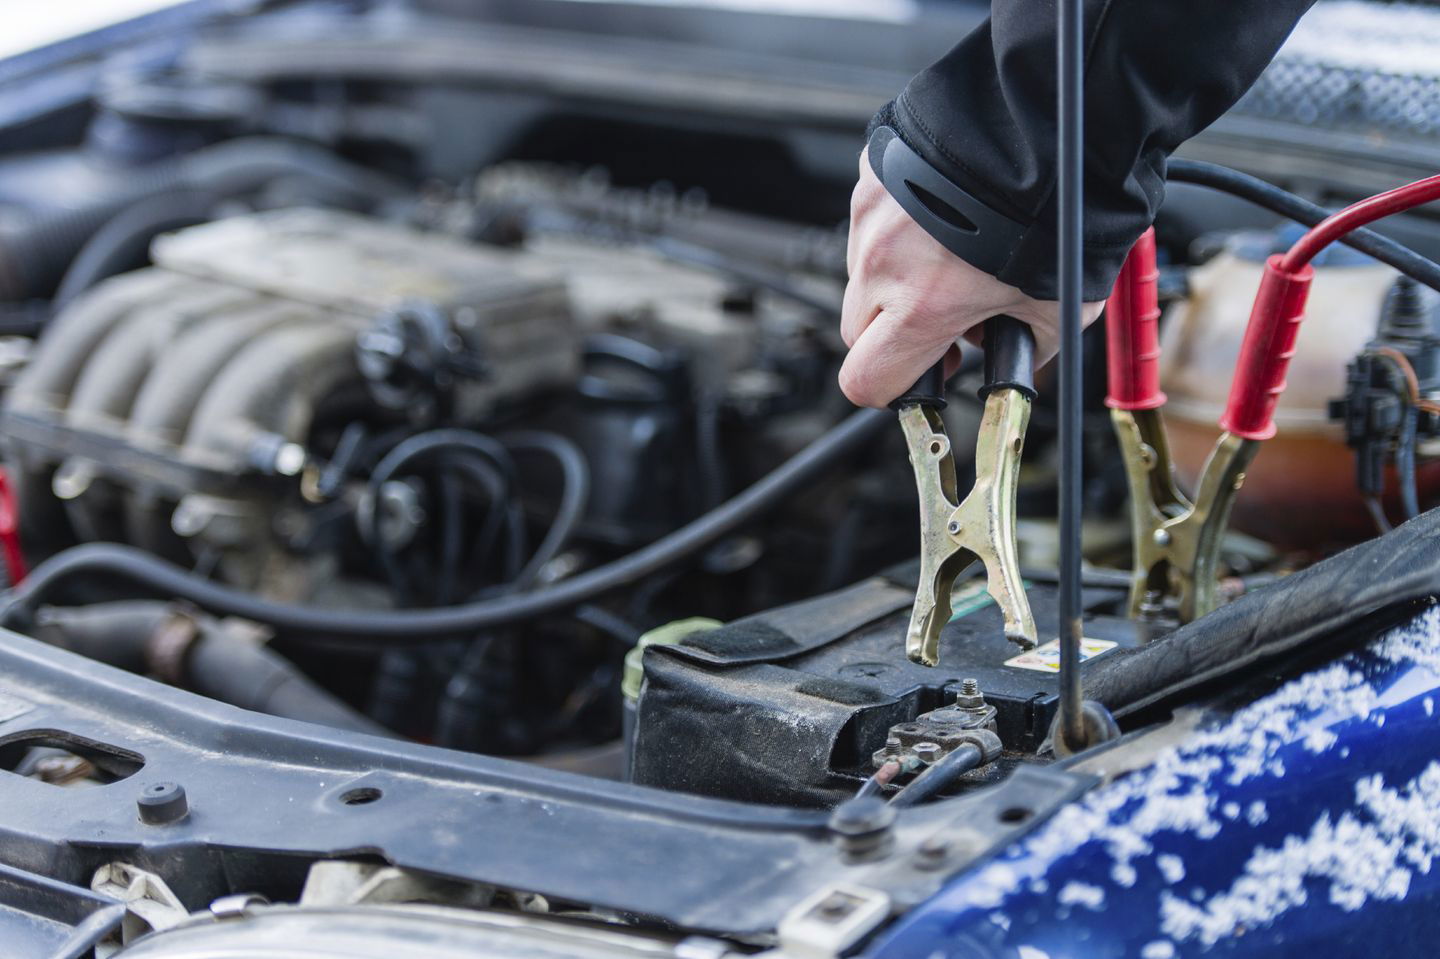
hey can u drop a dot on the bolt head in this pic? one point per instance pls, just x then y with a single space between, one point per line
1162 537
934 849
932 853
862 816
837 906
926 752
954 527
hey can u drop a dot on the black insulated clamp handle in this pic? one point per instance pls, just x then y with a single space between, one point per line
929 390
1009 356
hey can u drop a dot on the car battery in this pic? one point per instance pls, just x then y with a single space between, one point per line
790 706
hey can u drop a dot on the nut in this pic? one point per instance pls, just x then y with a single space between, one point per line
926 752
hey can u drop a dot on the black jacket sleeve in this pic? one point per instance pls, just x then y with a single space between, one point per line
1157 72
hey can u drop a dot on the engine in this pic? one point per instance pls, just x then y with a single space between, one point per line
453 398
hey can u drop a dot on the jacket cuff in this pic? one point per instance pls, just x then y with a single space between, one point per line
1031 261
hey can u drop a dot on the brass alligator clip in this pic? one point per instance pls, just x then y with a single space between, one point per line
953 533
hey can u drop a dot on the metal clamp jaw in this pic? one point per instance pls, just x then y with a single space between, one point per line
1176 541
955 532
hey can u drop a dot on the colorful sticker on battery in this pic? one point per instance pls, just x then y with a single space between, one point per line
1047 658
971 596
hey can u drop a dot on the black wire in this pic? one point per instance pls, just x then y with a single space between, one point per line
1286 204
1377 512
1405 463
602 620
938 777
503 519
496 474
412 627
451 544
574 496
1070 72
709 455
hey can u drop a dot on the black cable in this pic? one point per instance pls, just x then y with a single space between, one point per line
1286 204
1377 512
411 627
602 620
938 777
496 474
709 455
451 542
574 496
1405 463
1070 72
456 696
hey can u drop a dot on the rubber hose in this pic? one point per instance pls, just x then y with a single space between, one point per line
122 243
254 677
219 665
1272 198
35 251
35 254
412 627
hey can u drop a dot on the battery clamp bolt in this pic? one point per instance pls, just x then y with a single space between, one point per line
969 696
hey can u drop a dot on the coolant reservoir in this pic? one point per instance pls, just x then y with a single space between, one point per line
1300 493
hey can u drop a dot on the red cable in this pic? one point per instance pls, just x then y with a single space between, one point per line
10 552
1280 307
1359 214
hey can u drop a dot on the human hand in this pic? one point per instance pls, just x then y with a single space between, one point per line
909 301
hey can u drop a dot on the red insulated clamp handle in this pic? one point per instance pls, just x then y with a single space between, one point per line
1266 350
1132 331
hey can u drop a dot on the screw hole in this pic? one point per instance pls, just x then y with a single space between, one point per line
361 796
1015 814
935 448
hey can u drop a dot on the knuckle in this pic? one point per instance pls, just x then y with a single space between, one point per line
855 384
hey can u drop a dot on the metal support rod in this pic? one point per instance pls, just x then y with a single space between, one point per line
1070 79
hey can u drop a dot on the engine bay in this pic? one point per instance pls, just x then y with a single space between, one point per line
366 378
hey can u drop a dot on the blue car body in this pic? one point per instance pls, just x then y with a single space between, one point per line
1306 822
